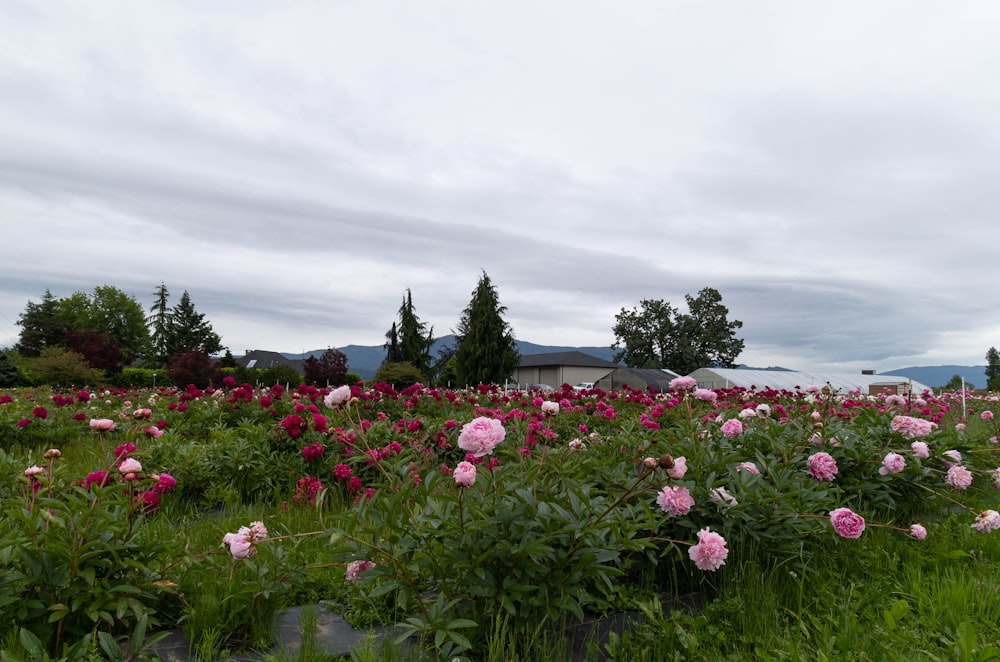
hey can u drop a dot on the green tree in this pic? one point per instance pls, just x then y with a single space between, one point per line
330 369
120 316
660 336
41 326
954 384
188 331
10 373
993 369
159 320
415 339
56 366
393 352
194 367
399 374
486 352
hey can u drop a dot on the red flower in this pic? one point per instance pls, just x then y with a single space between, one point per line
40 412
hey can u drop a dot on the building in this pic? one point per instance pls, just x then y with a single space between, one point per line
791 380
261 359
558 368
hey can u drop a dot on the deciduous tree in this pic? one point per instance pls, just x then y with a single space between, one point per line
329 369
660 336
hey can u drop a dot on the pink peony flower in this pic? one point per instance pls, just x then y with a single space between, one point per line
705 395
153 431
338 396
910 427
130 465
142 413
920 450
465 474
710 553
996 477
748 467
683 384
986 415
951 457
918 531
721 497
958 477
165 483
986 521
847 523
33 470
481 435
679 469
355 568
102 424
892 463
732 427
675 501
822 467
549 407
575 445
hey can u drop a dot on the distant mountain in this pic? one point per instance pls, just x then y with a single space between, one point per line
365 360
938 375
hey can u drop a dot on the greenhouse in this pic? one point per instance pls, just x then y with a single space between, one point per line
792 380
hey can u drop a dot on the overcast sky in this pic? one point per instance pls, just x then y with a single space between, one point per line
833 169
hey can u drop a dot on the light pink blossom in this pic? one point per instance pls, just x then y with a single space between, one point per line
721 497
675 501
732 427
679 469
748 467
952 457
986 521
710 553
130 465
102 424
355 568
683 384
996 477
920 450
910 427
464 474
749 412
550 407
33 470
705 395
847 523
918 531
958 477
822 467
338 396
481 435
892 463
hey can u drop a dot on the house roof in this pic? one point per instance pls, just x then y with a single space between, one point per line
262 358
572 358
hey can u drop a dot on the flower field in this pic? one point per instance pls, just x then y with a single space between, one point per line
484 522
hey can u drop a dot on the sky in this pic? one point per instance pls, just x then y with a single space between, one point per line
830 168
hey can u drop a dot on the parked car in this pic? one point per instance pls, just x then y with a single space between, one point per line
583 386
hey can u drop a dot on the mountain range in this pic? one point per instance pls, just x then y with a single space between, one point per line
365 360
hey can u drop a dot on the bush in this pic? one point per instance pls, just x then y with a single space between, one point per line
141 378
400 375
194 367
10 373
56 366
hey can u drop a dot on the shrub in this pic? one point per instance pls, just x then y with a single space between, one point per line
400 375
56 366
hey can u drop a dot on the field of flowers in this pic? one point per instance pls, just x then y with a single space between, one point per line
482 519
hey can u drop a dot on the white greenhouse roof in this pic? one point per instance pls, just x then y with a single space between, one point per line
790 380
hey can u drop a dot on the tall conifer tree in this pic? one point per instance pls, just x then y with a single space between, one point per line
486 352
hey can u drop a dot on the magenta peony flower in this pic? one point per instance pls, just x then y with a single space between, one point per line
710 553
958 477
732 427
918 531
892 463
986 415
465 474
481 435
342 471
847 523
165 483
986 521
675 501
822 467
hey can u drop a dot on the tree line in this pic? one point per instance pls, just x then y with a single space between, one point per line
107 330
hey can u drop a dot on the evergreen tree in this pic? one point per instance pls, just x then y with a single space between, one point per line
159 320
41 326
993 369
188 331
393 352
415 339
10 373
486 352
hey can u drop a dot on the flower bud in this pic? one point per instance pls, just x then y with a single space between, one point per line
666 462
650 462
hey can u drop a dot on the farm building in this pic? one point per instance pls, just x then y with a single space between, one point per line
789 380
558 368
654 379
